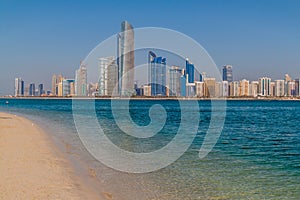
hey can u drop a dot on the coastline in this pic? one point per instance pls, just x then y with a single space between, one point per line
162 98
31 167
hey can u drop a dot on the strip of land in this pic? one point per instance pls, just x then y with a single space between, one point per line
271 98
31 167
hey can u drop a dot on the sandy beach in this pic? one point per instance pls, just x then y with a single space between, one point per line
31 167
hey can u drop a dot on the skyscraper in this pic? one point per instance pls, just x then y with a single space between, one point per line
234 88
81 81
32 89
225 89
41 90
67 87
279 88
174 81
291 88
264 86
190 70
54 85
19 87
183 84
297 87
199 88
254 88
210 87
157 74
125 59
108 76
244 88
227 73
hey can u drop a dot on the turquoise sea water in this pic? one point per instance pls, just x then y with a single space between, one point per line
256 157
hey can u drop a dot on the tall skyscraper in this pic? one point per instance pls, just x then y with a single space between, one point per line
279 88
157 74
32 89
108 76
264 86
225 89
199 88
210 87
291 88
54 85
41 90
297 87
174 81
125 59
81 81
227 73
190 71
68 87
244 88
234 88
19 87
254 88
60 89
183 83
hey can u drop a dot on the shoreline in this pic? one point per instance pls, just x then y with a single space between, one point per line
160 98
32 167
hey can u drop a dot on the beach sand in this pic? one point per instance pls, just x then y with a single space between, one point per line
31 167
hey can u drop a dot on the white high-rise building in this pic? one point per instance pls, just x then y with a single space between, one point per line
199 89
174 81
81 81
19 87
291 88
279 88
225 89
244 88
264 86
234 89
272 89
108 76
254 88
218 89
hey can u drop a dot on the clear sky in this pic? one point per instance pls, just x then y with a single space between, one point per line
39 38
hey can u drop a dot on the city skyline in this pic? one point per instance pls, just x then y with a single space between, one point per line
256 37
116 77
178 85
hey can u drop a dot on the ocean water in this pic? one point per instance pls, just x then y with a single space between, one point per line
257 155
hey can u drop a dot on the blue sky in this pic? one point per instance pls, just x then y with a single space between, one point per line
39 38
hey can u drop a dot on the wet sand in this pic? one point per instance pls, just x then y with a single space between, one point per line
31 167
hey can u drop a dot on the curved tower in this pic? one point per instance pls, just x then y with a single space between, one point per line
126 59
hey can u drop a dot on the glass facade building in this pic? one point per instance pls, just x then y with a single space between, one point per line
227 73
264 86
125 59
19 87
174 81
157 74
67 85
41 90
81 81
32 89
108 76
190 71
